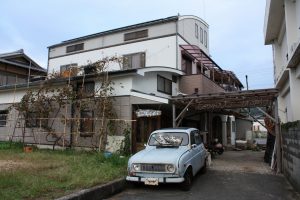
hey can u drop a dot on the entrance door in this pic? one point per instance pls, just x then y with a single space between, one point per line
145 126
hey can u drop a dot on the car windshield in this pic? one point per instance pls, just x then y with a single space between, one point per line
169 139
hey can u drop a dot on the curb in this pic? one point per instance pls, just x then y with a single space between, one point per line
98 192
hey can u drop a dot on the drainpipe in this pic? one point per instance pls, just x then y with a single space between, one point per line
177 49
174 115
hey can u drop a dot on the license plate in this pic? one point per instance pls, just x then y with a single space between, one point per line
151 181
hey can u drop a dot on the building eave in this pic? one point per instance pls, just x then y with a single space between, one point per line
117 30
274 15
295 58
23 66
144 70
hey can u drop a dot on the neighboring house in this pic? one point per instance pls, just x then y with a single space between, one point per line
16 69
282 31
161 58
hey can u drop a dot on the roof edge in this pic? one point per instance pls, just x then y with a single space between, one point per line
125 28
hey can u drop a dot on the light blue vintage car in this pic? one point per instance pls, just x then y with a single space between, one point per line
172 155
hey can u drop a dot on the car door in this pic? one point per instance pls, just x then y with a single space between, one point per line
196 151
202 149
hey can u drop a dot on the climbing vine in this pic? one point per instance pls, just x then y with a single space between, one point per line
52 101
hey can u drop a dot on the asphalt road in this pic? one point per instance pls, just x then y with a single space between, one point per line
227 179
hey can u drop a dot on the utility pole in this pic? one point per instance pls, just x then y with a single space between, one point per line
247 81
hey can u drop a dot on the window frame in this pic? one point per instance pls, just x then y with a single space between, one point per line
184 67
196 30
205 38
3 118
136 35
165 80
201 35
82 128
83 92
128 64
75 47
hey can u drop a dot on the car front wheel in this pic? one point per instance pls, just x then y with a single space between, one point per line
187 183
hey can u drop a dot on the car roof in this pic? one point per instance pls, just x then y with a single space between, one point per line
178 129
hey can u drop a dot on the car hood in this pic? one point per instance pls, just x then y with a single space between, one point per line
158 155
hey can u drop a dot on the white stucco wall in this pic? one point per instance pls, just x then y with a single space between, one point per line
186 28
116 38
295 94
11 96
159 52
148 83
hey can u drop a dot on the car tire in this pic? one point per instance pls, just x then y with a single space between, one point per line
135 184
187 183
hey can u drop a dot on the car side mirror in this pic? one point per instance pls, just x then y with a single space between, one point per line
194 146
145 144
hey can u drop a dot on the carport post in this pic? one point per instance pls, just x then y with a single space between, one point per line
278 139
174 115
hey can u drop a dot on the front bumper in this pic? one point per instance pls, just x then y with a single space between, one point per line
160 180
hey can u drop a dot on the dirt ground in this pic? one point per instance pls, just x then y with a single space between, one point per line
6 165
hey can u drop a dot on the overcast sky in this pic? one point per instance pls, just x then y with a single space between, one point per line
236 28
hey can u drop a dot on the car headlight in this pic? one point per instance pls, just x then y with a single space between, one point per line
136 167
170 168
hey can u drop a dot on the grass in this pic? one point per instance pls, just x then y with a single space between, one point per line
46 174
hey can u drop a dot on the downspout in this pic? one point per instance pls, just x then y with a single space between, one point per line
177 49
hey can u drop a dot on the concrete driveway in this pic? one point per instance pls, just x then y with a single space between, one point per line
232 176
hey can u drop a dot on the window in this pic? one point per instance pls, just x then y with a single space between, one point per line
68 70
134 61
186 65
86 123
205 38
3 117
164 85
196 31
136 35
201 35
75 47
31 120
192 135
11 79
86 90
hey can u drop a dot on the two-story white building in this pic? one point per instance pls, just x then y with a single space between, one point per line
282 31
161 58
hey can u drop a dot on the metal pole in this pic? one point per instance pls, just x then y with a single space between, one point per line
247 82
278 139
174 115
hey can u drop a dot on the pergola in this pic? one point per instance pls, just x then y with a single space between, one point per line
230 100
227 100
206 63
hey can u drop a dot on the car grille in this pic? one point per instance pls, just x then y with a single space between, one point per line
153 167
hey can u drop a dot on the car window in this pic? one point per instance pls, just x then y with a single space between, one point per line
198 139
192 135
168 139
